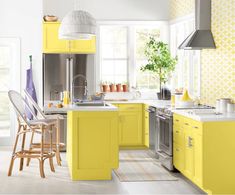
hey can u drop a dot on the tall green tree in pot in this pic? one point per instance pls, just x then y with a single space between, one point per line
160 61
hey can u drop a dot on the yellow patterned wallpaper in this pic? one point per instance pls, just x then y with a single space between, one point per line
179 8
218 66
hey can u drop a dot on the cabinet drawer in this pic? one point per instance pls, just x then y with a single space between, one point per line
177 120
178 136
130 107
197 127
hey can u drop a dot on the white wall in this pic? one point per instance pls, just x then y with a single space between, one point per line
111 9
23 19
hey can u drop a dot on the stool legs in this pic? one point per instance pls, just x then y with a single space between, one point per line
14 150
22 148
30 148
41 163
51 151
57 152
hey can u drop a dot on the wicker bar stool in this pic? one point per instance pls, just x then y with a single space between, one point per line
57 145
25 126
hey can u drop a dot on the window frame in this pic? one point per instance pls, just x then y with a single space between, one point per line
190 72
131 65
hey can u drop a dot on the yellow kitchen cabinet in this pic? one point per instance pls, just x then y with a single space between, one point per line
92 144
131 130
146 126
206 157
52 43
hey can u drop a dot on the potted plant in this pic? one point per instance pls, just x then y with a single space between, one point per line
112 87
160 62
125 87
119 87
105 86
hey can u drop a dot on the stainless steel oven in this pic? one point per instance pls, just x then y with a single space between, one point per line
164 119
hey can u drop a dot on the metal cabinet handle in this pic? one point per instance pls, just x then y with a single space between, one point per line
186 124
176 120
190 144
177 131
195 127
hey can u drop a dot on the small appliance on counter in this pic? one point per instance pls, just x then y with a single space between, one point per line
224 105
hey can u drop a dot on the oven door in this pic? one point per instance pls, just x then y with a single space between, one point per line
165 133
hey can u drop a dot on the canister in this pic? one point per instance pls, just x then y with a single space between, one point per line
223 104
230 107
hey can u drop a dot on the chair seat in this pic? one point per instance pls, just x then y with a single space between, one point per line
43 122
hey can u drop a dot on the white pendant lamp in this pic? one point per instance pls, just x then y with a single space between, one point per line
76 25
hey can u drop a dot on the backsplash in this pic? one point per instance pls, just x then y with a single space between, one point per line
217 66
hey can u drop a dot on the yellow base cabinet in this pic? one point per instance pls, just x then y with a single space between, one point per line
92 144
133 126
206 155
52 43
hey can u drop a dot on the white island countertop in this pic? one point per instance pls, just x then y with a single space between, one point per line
206 115
65 109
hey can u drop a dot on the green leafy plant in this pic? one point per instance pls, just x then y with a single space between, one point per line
160 61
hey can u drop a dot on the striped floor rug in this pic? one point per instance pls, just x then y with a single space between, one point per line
141 165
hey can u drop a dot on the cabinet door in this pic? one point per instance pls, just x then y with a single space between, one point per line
51 42
83 46
146 126
188 152
130 128
197 142
178 157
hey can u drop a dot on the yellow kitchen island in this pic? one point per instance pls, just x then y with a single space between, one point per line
92 144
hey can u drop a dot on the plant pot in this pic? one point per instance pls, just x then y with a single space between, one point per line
125 88
119 87
112 88
105 88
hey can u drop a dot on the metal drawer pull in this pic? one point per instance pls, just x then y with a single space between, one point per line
186 123
190 144
176 120
177 131
195 127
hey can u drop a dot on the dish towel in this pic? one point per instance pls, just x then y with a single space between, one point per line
30 88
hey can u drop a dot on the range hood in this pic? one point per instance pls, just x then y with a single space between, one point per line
201 37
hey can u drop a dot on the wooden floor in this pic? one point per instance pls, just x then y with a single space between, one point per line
29 182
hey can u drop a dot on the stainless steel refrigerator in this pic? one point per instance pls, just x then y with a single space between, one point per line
60 72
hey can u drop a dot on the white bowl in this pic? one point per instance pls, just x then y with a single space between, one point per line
186 103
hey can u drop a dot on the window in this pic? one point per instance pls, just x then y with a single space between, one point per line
122 46
4 87
187 72
9 79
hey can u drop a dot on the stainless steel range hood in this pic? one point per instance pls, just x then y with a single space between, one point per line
201 37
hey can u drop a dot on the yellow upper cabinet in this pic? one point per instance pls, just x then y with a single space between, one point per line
52 44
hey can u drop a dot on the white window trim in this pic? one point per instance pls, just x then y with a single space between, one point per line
190 71
15 84
131 73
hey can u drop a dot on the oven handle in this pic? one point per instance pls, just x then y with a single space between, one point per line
149 111
161 117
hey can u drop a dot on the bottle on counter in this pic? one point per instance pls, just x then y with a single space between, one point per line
66 99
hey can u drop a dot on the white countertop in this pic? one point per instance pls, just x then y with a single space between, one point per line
206 116
67 108
156 103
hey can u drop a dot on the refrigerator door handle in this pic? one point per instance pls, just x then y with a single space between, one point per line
71 79
67 74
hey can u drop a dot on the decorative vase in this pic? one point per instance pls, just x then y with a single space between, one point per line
105 88
112 88
125 88
119 87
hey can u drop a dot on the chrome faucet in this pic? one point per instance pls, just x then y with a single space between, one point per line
85 87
